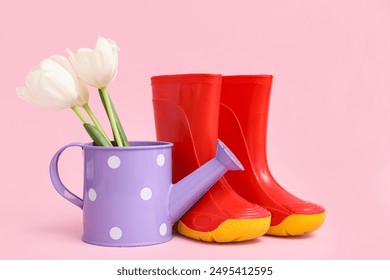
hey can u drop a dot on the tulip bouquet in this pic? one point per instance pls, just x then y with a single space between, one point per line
60 83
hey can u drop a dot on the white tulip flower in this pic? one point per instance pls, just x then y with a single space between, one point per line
53 85
83 98
60 83
83 94
96 67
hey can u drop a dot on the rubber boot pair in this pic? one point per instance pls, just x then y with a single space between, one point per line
192 111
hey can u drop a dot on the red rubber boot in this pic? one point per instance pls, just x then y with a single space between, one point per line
186 111
243 128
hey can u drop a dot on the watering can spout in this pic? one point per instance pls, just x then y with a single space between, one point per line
186 192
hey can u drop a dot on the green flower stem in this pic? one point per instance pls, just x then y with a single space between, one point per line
79 114
111 117
97 136
95 120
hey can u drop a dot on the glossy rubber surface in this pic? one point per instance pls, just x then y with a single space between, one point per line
243 127
186 109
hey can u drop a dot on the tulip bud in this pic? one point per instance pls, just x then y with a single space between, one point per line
52 85
96 67
83 94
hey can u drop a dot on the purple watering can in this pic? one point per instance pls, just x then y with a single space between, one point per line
129 198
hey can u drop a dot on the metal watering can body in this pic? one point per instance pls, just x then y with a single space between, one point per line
129 198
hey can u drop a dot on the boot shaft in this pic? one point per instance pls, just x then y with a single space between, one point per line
186 108
248 96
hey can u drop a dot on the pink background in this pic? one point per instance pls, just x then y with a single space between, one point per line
329 129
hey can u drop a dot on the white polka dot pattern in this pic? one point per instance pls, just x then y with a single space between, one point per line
146 193
163 229
92 195
160 160
114 162
115 233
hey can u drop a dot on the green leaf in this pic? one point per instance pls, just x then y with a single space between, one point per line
118 122
96 135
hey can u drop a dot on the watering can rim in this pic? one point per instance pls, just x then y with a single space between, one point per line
133 145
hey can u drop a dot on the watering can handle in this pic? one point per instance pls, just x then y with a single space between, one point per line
55 177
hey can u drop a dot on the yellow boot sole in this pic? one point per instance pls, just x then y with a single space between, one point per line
233 230
297 225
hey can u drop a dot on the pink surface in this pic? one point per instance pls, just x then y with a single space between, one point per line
329 132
